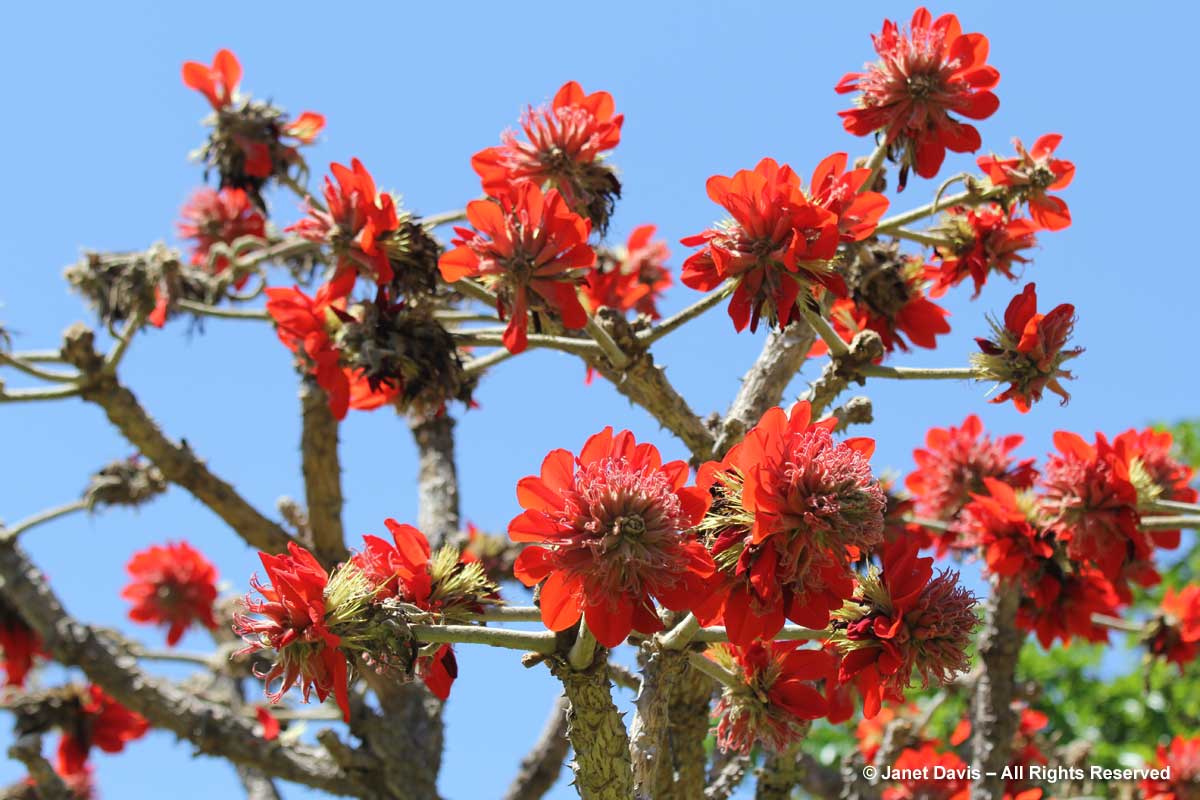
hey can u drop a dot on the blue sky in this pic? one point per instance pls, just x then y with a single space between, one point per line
95 144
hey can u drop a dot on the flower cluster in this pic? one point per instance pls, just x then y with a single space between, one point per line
532 250
323 624
778 245
632 278
792 510
1028 351
97 721
903 619
1182 759
172 585
609 532
777 695
924 74
563 150
981 241
19 645
1030 175
251 141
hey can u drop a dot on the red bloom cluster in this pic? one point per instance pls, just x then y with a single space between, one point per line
777 696
1059 605
257 135
291 620
529 247
304 324
401 570
1156 474
954 464
562 150
1182 757
899 313
778 244
172 585
1175 632
1030 175
1092 504
221 216
901 620
102 722
924 74
983 240
358 218
1028 350
792 510
634 279
948 782
609 527
19 645
998 523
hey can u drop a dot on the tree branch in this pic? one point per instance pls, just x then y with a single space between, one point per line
175 460
214 729
50 786
322 474
437 482
602 766
993 722
783 354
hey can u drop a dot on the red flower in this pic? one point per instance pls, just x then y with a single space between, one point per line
1156 474
19 644
984 240
777 697
291 619
358 219
102 723
172 585
302 324
632 280
610 531
792 510
1092 504
922 76
956 461
900 620
562 150
1182 761
1175 632
892 303
524 242
219 82
999 524
934 776
220 217
306 127
401 570
1031 174
1028 351
777 244
1057 604
269 724
841 193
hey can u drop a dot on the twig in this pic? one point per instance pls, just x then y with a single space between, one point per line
566 344
837 347
1118 624
477 365
531 641
875 164
584 648
921 373
674 321
1169 523
611 350
970 197
678 637
37 372
789 633
35 395
511 614
204 309
10 533
712 669
444 218
921 237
